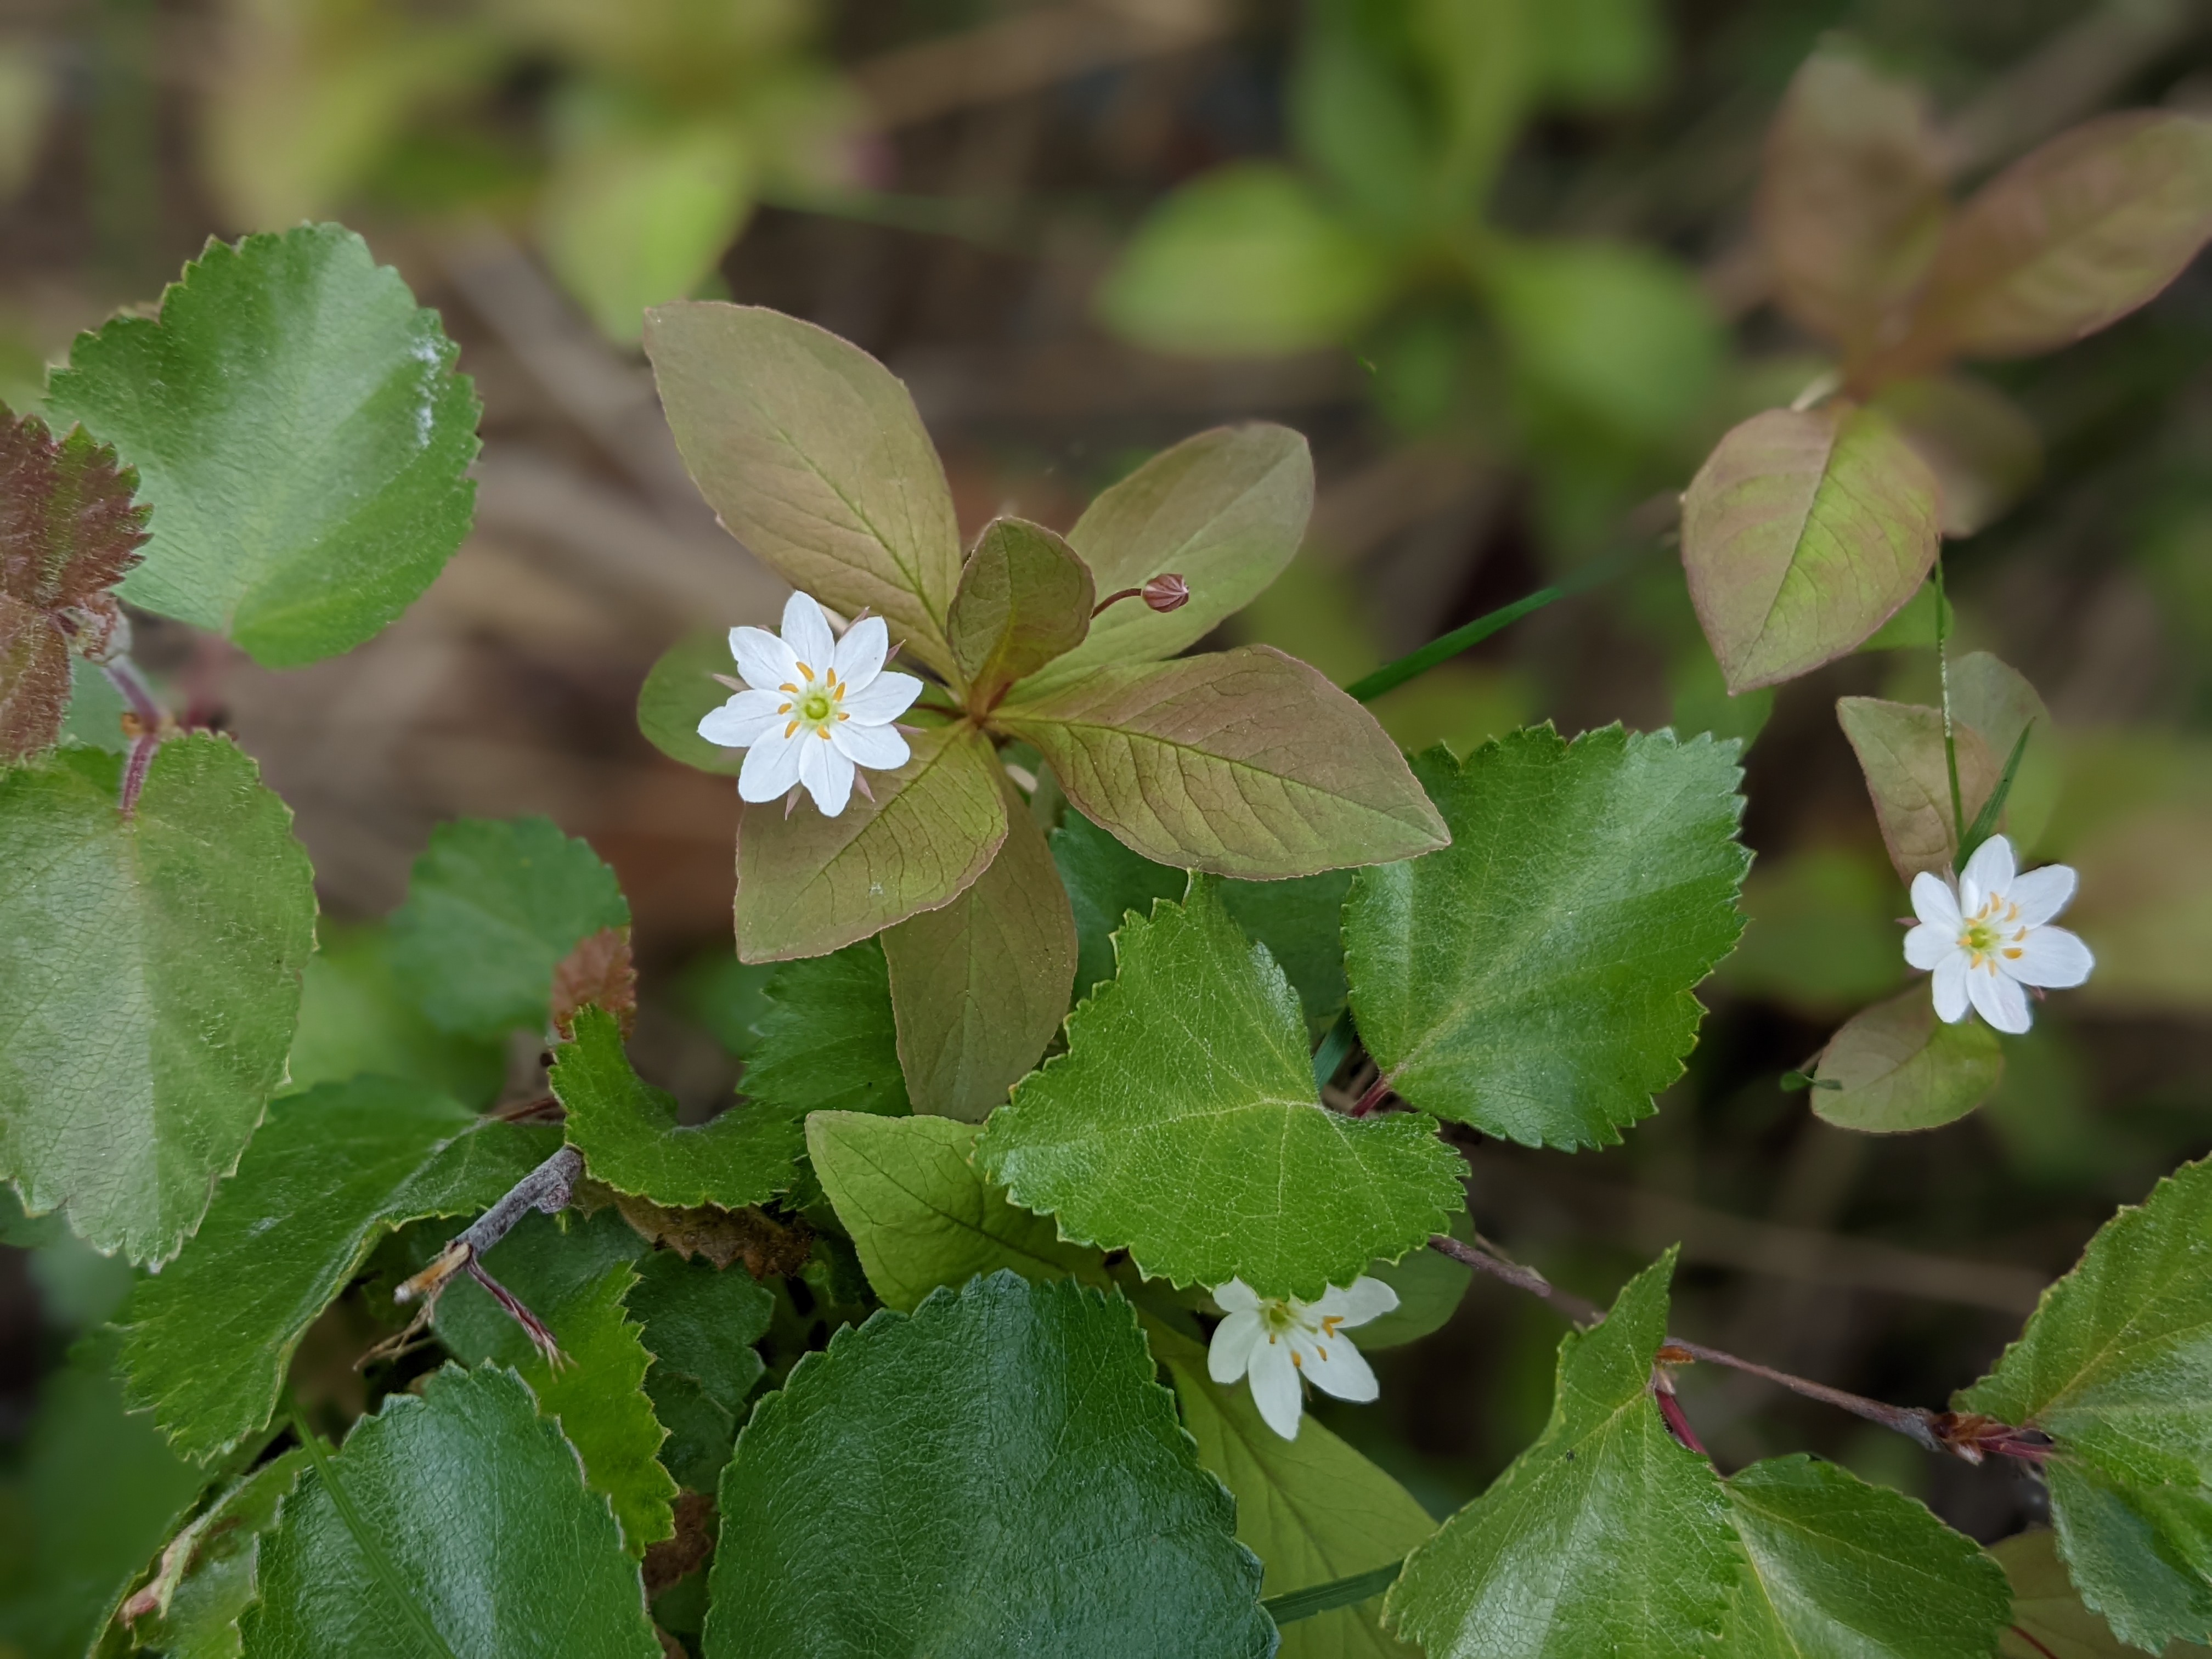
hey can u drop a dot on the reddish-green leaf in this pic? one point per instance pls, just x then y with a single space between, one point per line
1984 452
1895 1066
1900 750
1024 599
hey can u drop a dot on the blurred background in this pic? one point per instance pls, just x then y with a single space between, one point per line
1495 257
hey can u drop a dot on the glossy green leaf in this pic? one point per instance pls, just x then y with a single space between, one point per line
180 934
1908 773
826 1039
921 1215
210 1573
1182 1124
1535 979
1900 1068
807 884
2048 1618
1225 510
995 1472
1024 599
2114 1365
701 1324
300 434
1981 445
1837 1565
813 455
208 1339
979 986
679 692
1301 922
1802 533
627 1130
492 906
1245 262
472 1505
1606 1536
1312 1508
355 1017
2069 239
1246 763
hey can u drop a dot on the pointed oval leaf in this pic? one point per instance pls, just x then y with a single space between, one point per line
1182 1125
477 1506
907 1492
177 933
299 432
1534 978
679 690
1908 773
2115 1364
1024 599
812 454
1897 1067
2068 239
1801 534
1246 763
807 884
1225 510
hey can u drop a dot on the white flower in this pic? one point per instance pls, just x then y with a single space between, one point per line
1990 938
818 707
1279 1341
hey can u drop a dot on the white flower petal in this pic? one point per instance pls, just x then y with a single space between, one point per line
1334 1366
1275 1388
807 631
1236 1296
1999 1000
764 661
744 719
2049 956
1230 1351
882 700
1924 946
1950 986
860 655
1366 1298
1935 903
877 746
2041 894
771 767
827 774
1990 870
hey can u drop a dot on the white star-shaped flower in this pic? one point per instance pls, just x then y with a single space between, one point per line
818 707
1277 1341
1990 938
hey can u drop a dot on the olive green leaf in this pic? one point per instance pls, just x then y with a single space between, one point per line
298 431
679 692
1908 773
1243 763
812 452
357 1018
1024 599
1801 534
1896 1066
905 1492
807 884
2048 1618
1534 978
178 935
1182 1125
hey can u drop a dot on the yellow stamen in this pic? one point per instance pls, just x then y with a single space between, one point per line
823 732
805 671
2013 953
844 714
789 686
1295 1360
790 728
784 709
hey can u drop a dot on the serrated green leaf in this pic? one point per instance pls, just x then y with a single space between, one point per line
679 692
1024 599
947 1443
1246 762
979 985
1105 881
2048 1618
300 434
1225 510
355 1018
1182 1125
1606 1536
1900 1068
807 884
1535 979
216 1563
492 906
1802 533
701 1324
1301 922
1900 750
627 1130
1837 1565
206 1340
2114 1365
180 934
922 1216
812 452
828 1038
478 1505
1312 1508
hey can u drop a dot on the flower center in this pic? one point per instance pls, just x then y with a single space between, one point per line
1983 939
817 706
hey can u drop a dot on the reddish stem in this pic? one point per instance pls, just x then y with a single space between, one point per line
1677 1424
134 770
2031 1642
1375 1093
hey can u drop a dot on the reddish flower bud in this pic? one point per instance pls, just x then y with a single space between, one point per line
1167 591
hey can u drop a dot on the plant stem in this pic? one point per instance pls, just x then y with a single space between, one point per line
371 1547
1950 738
548 1187
122 674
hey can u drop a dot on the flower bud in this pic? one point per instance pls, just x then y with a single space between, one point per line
1167 591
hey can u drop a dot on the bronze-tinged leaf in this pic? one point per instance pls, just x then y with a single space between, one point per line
1985 452
808 884
2068 239
1895 1068
767 1245
1802 534
1245 762
1851 202
1024 599
598 971
35 679
68 525
1900 750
